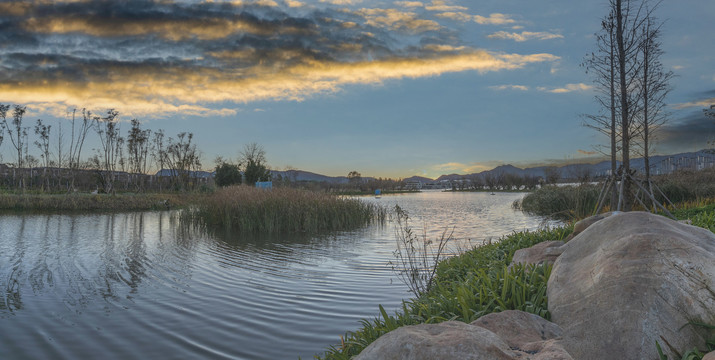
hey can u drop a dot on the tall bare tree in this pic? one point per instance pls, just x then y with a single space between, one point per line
108 130
602 65
18 137
78 135
138 143
43 144
182 157
655 86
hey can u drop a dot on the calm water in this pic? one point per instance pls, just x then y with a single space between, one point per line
139 286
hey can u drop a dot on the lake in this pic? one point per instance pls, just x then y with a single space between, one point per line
141 286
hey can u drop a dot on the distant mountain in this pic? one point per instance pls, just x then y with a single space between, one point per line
660 164
301 175
416 178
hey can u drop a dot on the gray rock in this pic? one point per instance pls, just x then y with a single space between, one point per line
505 335
517 328
583 224
629 280
546 251
447 340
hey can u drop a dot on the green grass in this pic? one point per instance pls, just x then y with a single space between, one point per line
466 287
561 202
34 202
478 282
281 210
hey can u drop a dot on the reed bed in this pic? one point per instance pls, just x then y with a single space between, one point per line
281 210
91 202
561 202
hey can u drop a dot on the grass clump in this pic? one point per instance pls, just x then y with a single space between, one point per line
561 202
281 210
475 283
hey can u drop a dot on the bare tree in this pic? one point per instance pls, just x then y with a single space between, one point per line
3 115
108 130
138 150
78 135
655 86
621 44
159 153
182 158
18 137
602 65
43 144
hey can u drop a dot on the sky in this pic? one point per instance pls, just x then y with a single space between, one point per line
385 88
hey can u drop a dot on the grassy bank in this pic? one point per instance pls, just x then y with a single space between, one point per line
92 202
560 202
478 282
575 202
466 287
281 210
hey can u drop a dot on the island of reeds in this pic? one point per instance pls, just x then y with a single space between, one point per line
282 210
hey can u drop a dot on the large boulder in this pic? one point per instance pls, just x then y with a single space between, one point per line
583 224
447 340
630 280
543 252
530 336
506 335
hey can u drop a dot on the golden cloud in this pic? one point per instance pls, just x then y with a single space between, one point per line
154 91
706 103
409 3
494 19
395 19
170 29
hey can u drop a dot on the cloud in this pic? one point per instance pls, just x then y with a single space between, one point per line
567 88
461 168
690 132
398 20
341 2
510 87
524 36
584 152
705 103
438 5
162 58
409 3
492 19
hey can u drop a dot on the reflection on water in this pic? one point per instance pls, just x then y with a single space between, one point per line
139 285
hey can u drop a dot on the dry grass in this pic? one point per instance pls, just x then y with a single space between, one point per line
280 210
91 202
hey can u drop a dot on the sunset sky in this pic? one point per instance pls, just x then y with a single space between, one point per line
387 88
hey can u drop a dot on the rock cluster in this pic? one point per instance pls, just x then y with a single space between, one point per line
501 336
625 281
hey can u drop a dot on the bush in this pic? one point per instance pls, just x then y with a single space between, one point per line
561 202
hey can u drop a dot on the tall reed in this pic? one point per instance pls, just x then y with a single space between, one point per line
280 210
561 202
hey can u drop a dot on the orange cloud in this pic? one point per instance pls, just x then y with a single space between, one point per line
155 91
171 29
